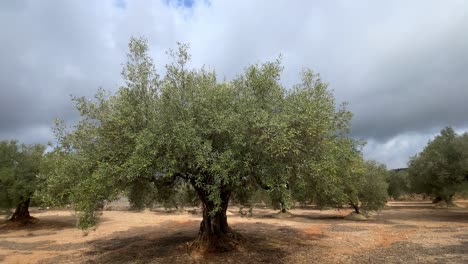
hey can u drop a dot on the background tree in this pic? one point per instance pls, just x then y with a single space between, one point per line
398 183
146 194
462 146
222 138
19 169
359 183
371 187
440 169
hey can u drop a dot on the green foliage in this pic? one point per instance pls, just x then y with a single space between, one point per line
398 183
224 139
146 194
19 169
363 184
141 194
441 169
281 199
315 130
372 190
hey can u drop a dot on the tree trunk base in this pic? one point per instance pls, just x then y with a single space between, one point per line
283 214
22 219
210 243
444 204
436 200
214 235
21 214
353 216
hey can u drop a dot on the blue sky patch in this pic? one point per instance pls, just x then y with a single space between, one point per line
181 3
120 3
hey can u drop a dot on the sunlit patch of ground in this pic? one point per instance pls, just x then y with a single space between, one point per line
405 232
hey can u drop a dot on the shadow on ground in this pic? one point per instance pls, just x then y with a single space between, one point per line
57 224
405 252
439 215
309 217
45 245
48 225
264 243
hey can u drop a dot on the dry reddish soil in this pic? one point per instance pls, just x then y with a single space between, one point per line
405 232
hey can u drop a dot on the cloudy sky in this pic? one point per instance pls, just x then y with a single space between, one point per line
402 65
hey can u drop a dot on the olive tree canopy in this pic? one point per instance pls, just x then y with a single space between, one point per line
441 169
19 171
221 137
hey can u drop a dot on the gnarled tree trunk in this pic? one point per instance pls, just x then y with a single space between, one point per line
21 213
355 207
436 199
448 199
285 200
283 208
215 235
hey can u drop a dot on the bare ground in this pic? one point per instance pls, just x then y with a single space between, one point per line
405 232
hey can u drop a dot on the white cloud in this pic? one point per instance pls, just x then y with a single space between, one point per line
397 151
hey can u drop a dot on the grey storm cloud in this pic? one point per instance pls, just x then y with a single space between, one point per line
401 65
423 86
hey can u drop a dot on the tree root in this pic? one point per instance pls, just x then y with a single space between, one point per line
219 243
23 220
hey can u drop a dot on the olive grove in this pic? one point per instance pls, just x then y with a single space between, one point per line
225 139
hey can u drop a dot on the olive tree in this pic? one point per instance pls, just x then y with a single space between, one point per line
344 177
370 188
19 169
221 137
441 169
398 183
